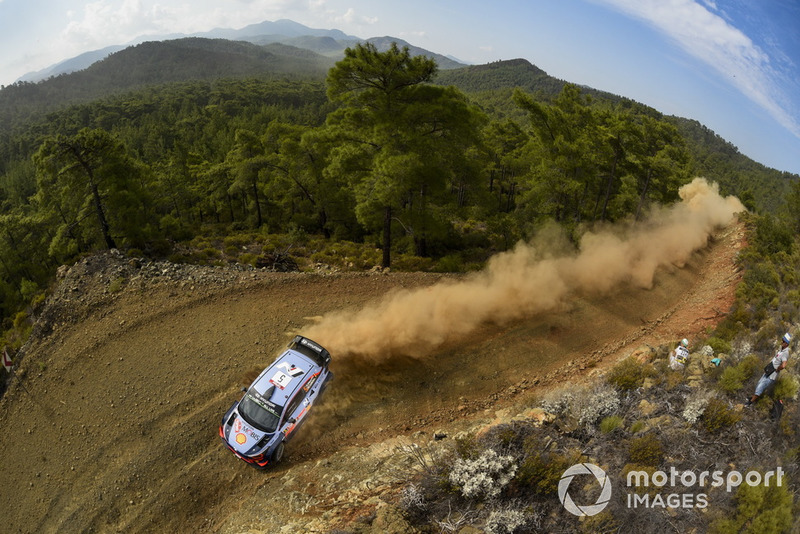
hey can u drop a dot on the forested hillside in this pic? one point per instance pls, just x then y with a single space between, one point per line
162 148
156 64
713 157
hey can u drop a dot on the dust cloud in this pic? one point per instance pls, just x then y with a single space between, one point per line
534 277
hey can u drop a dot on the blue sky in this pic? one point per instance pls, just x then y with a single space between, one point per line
733 65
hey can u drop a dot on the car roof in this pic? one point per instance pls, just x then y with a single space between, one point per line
285 376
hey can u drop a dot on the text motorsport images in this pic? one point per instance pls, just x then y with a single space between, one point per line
659 479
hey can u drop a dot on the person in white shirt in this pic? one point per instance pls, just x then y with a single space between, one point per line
679 356
775 366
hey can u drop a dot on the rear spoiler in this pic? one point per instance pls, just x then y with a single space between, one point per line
311 349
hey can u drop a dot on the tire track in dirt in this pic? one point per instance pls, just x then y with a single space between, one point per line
122 434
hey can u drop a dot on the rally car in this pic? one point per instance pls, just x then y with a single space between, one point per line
257 427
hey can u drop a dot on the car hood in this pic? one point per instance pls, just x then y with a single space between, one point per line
242 436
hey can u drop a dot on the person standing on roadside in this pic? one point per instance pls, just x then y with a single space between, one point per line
775 366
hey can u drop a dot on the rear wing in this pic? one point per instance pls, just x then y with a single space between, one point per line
309 348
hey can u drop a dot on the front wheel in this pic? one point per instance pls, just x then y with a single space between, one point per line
278 454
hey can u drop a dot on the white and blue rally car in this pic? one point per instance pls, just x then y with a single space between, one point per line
256 427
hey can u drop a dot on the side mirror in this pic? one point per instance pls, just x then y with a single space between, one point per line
244 390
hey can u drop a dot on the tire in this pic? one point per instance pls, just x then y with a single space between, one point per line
277 456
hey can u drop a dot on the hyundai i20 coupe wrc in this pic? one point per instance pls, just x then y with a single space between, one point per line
257 427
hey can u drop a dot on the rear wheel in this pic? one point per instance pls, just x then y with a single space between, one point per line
278 454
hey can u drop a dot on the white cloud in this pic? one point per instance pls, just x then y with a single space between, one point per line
349 16
352 18
103 22
709 38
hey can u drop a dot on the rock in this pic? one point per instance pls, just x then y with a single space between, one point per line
538 417
389 520
706 351
647 408
644 354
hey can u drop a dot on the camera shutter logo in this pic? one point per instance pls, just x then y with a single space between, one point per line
602 500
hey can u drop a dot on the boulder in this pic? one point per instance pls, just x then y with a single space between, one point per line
644 354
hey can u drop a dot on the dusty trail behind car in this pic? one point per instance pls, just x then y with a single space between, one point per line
119 432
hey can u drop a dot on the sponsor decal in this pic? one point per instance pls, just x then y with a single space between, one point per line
311 382
280 379
292 370
313 346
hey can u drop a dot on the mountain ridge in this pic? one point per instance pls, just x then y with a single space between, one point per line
283 31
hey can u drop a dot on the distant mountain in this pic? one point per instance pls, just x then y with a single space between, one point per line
159 63
195 58
383 44
284 28
328 43
501 74
80 62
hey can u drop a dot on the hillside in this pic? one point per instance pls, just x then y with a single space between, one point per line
158 64
133 362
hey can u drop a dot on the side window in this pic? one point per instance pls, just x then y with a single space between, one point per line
295 403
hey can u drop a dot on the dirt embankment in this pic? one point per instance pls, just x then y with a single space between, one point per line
134 363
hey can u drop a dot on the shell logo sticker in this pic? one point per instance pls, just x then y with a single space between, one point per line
241 439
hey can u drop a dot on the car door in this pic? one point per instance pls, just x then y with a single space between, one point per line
295 412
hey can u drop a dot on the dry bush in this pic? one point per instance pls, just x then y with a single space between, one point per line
628 374
483 477
734 377
696 405
718 416
584 407
646 450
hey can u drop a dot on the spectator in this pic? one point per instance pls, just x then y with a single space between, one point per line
772 369
679 356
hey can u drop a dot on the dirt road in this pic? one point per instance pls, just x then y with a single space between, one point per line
116 429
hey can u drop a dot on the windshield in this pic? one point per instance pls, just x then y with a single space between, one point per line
257 410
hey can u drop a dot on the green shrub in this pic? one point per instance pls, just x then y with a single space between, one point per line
248 259
452 263
720 346
610 424
540 470
793 297
759 510
410 263
786 387
28 289
770 236
638 426
718 415
733 377
116 285
646 450
626 375
236 241
467 447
